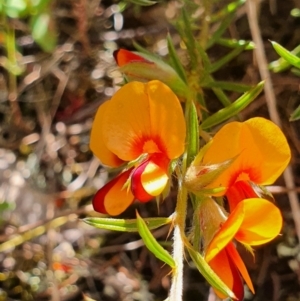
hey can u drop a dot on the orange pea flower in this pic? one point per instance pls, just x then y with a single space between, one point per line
142 125
260 154
252 222
144 67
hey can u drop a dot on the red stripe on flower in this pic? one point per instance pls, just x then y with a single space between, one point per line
136 183
124 57
150 178
239 191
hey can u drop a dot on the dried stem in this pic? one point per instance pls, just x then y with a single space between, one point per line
271 104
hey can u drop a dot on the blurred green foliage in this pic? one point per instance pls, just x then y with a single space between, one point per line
39 13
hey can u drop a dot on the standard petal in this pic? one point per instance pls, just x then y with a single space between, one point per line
262 222
275 151
112 198
261 149
167 119
149 179
144 118
226 233
226 269
97 145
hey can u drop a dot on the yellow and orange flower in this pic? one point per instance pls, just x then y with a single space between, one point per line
142 124
260 154
252 222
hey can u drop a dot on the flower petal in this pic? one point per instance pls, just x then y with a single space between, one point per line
123 57
226 233
226 269
149 179
239 191
261 149
234 255
112 198
144 118
274 148
96 140
262 222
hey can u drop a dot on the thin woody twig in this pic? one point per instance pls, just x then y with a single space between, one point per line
271 104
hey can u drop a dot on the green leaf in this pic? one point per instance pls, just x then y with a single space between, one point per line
43 31
12 67
234 108
152 244
157 70
193 134
224 85
295 71
232 43
295 115
295 12
225 59
222 97
175 59
219 32
39 6
230 8
204 57
287 55
142 2
16 8
143 51
281 64
125 225
187 35
207 272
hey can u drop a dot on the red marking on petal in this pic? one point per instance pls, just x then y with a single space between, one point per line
150 178
224 266
124 57
239 191
238 287
136 183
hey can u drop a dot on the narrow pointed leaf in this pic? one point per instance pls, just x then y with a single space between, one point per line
152 244
230 8
222 97
281 64
287 55
225 59
142 2
296 71
234 108
295 115
175 59
125 225
232 43
143 51
193 134
204 57
224 85
219 32
211 277
187 36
